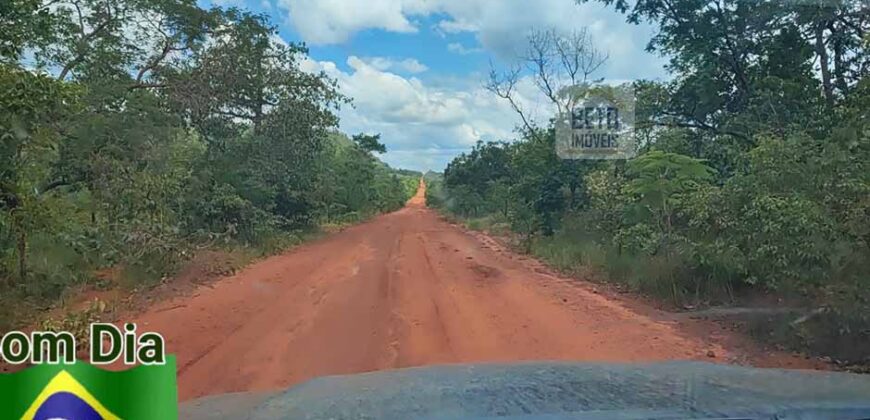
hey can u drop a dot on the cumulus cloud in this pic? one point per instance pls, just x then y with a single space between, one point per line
228 3
458 48
423 125
499 25
408 65
454 26
426 121
333 21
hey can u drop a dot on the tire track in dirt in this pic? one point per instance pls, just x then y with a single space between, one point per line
403 289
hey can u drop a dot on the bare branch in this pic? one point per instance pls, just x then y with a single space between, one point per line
81 55
167 48
555 62
503 86
578 55
539 58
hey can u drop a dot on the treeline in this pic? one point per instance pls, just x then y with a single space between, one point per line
752 173
135 132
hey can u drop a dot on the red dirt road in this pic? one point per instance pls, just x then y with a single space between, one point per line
404 289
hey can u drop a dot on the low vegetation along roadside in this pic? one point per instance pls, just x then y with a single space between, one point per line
751 182
778 234
137 139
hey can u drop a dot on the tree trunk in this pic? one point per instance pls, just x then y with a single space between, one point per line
839 66
22 255
822 52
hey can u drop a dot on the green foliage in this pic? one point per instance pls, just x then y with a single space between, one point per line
753 174
137 132
436 197
606 200
370 143
525 182
355 185
78 323
22 21
33 109
660 182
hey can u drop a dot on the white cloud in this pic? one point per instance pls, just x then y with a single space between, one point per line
428 120
408 65
454 26
228 3
423 125
499 25
333 21
276 39
458 48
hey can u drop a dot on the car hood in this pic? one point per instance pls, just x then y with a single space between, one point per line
556 390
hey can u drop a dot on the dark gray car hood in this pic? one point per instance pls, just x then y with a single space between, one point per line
672 390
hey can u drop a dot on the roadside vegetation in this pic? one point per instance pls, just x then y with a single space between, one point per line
137 134
752 177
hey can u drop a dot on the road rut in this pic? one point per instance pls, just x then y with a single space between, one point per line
404 289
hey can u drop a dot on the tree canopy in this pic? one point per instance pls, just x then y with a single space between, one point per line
135 132
751 175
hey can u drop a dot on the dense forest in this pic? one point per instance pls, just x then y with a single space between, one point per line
136 132
752 176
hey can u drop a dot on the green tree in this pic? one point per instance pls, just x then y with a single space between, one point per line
135 132
34 108
659 184
370 143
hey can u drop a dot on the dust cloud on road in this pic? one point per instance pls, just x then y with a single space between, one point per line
404 289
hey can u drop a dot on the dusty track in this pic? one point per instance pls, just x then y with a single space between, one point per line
404 289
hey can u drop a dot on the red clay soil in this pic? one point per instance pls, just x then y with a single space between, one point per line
404 289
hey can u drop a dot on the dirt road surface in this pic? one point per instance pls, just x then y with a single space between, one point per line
404 289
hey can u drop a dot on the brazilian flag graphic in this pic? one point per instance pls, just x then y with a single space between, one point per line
83 392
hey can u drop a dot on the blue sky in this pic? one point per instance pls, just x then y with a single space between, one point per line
416 68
